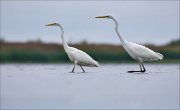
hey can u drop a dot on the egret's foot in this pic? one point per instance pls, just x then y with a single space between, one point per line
82 69
73 69
136 71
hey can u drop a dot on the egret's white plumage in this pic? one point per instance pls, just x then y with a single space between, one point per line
78 57
138 52
141 53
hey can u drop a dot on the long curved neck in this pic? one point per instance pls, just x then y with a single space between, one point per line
62 37
116 29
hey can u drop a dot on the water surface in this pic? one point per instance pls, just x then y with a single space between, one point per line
52 86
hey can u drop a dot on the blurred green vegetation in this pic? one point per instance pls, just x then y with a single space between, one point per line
52 53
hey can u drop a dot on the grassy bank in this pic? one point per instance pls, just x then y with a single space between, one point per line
53 53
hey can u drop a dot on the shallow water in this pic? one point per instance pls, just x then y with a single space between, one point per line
52 86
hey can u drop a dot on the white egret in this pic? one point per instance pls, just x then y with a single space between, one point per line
138 52
78 57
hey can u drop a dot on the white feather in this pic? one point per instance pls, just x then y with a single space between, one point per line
81 57
141 53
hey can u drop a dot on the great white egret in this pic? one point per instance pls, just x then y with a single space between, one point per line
78 57
138 52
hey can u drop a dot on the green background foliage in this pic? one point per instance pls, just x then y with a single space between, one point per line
52 53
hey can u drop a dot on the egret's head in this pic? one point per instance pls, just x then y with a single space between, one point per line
107 17
53 24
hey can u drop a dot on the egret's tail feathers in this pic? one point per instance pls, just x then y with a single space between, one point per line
93 63
160 56
96 64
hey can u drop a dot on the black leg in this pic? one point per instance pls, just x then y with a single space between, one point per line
82 68
73 68
140 70
143 68
140 67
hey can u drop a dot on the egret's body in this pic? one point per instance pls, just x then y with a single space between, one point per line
141 53
138 52
78 57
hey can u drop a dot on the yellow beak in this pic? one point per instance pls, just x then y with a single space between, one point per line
50 24
101 17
